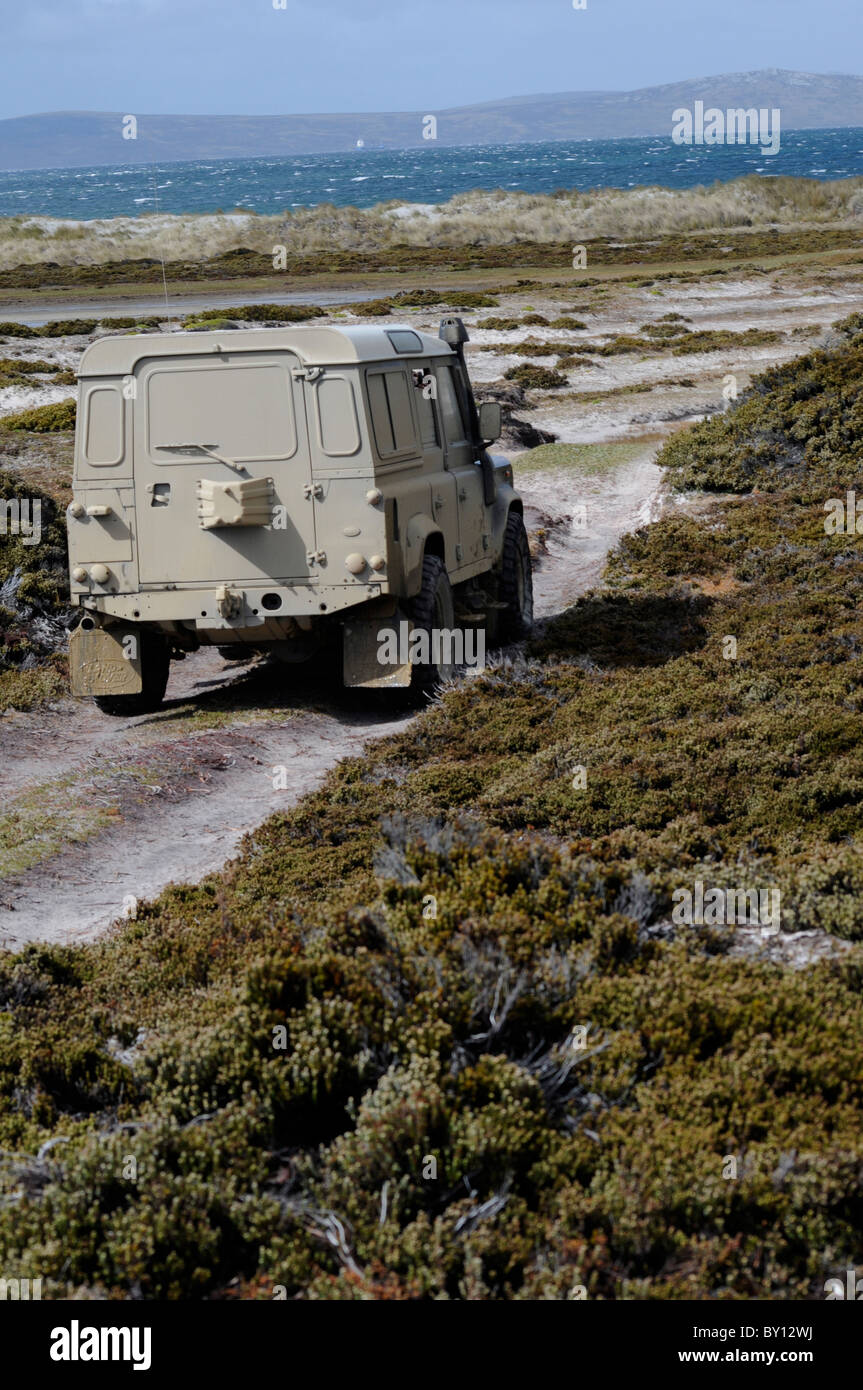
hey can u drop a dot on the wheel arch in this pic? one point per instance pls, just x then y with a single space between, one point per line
422 537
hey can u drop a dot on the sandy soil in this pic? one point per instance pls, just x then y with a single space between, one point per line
590 513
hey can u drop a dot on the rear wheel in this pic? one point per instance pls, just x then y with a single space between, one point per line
155 665
433 613
515 583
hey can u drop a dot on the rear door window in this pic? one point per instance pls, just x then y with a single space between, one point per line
244 412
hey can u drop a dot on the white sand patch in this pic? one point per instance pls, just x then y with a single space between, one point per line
15 398
428 210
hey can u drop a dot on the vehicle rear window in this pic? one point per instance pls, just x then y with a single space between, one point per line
244 412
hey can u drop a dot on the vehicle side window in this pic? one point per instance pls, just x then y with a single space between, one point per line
336 415
389 396
103 430
453 425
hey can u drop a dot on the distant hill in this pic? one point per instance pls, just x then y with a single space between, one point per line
66 139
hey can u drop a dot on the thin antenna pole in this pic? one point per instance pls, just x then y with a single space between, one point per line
161 253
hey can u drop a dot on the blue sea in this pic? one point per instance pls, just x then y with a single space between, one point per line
364 177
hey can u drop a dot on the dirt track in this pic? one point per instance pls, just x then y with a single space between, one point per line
159 800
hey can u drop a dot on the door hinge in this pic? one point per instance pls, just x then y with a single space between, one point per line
316 557
437 503
306 373
313 490
458 552
462 494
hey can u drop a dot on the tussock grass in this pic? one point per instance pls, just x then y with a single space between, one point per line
479 217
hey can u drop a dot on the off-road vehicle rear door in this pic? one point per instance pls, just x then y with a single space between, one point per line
223 482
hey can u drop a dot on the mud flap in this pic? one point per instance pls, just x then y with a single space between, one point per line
102 663
364 644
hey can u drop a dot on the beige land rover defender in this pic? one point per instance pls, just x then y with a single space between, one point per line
286 488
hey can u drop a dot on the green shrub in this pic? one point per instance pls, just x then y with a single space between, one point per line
127 322
372 308
471 299
570 360
799 421
208 325
43 419
21 366
714 339
419 299
264 313
534 377
67 328
34 581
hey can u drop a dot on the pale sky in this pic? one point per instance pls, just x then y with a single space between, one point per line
247 57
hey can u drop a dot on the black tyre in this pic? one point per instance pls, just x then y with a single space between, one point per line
432 611
155 665
515 583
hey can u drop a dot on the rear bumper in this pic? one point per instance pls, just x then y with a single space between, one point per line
199 607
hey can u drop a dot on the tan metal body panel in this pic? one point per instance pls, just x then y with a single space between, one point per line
230 486
322 347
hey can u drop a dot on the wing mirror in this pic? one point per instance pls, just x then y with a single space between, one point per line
490 422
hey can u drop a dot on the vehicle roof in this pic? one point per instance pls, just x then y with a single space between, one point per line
318 346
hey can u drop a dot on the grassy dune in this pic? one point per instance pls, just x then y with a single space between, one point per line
433 1034
477 218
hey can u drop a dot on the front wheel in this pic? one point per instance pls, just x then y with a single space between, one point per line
155 665
515 583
